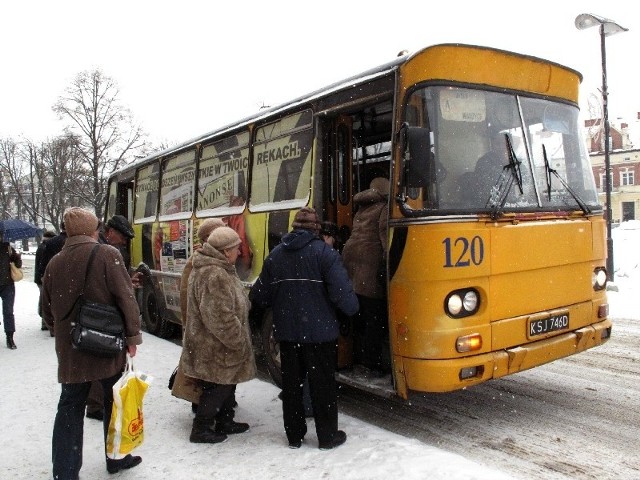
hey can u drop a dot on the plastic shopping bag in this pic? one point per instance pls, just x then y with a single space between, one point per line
126 429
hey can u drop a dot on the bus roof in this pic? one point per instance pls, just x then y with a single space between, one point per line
350 82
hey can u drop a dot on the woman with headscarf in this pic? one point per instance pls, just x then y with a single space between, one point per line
217 348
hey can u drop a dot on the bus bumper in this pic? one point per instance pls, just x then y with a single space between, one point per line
448 374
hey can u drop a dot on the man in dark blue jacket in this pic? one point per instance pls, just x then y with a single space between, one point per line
303 280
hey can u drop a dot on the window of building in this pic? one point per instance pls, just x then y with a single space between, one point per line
626 177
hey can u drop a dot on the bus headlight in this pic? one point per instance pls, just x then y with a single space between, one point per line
462 303
599 278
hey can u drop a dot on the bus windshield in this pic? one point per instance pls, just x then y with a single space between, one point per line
472 151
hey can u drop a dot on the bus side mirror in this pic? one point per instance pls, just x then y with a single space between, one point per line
416 165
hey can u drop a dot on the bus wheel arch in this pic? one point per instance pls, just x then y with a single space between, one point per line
271 348
151 316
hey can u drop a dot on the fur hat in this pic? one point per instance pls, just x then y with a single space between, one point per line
306 219
330 229
48 234
380 184
122 225
223 238
208 226
80 221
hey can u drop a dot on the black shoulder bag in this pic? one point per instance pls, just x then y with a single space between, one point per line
98 329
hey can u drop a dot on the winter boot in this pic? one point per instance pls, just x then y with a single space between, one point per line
338 439
10 343
202 432
231 427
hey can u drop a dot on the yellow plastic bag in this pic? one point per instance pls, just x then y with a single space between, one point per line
126 429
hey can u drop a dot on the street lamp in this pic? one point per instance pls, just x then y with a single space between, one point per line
607 28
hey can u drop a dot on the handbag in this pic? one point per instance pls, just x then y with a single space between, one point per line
98 328
16 273
184 387
126 428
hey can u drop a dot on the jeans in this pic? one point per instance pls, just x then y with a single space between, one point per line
68 427
8 295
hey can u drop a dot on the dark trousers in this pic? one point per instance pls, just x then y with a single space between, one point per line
216 403
8 295
94 400
317 362
68 427
371 334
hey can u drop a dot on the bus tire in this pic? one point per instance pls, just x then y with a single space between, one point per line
271 349
154 322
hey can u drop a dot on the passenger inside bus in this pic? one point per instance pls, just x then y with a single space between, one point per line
476 187
364 257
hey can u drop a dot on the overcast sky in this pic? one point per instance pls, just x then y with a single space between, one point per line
185 68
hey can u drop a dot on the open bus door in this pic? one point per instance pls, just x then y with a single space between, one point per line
337 205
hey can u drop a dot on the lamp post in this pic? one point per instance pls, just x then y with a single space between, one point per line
607 28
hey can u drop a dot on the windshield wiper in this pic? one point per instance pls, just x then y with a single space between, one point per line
502 187
514 163
550 171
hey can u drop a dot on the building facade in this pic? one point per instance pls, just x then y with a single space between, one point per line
625 169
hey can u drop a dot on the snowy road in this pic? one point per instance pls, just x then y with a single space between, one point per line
575 418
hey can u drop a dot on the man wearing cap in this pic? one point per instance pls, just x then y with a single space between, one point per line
117 233
303 280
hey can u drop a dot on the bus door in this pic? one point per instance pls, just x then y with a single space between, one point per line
337 205
337 196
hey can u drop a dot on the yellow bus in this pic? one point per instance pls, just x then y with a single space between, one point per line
496 253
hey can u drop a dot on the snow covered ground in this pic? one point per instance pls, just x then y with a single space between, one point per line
30 394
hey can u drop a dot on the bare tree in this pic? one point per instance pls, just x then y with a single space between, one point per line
61 177
16 197
8 160
108 137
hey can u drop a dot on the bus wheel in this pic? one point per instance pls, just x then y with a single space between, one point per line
271 349
154 322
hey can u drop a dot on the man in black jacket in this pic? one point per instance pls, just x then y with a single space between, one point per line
303 280
38 270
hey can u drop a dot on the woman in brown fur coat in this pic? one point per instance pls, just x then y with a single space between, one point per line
364 256
217 346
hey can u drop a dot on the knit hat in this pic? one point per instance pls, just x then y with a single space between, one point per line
223 238
307 219
208 226
80 221
380 184
122 225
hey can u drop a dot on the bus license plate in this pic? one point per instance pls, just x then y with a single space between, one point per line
551 324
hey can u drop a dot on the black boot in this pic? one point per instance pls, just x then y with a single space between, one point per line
130 461
231 427
202 432
10 343
338 439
